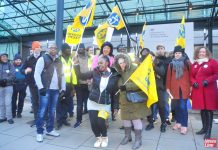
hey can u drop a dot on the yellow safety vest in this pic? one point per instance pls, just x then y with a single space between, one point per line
69 71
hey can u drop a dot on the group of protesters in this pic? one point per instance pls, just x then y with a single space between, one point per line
100 84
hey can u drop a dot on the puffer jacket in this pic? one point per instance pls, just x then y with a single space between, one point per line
7 72
95 95
129 111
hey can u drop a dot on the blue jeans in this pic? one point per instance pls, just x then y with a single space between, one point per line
49 102
181 112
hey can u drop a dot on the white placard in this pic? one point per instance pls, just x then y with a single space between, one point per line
166 34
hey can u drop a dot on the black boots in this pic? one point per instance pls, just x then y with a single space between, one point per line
207 121
127 137
151 124
209 124
203 119
138 139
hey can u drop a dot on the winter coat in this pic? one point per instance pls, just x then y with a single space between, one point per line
7 72
95 95
183 83
129 111
30 62
160 69
205 97
95 61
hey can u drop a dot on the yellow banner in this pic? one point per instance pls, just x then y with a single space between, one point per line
180 40
116 19
100 34
73 35
144 78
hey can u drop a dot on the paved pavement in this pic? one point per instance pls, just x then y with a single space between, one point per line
20 136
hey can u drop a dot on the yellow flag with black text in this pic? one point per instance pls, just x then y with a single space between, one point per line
180 40
144 78
100 34
115 19
73 35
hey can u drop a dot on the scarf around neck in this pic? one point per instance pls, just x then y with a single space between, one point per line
178 66
202 60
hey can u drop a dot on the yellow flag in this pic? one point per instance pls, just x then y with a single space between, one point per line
86 15
144 78
100 34
180 40
116 19
73 35
141 40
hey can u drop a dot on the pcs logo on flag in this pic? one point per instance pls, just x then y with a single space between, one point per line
114 19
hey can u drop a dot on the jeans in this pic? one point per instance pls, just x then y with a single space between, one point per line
63 106
181 111
18 89
5 102
49 101
82 94
98 124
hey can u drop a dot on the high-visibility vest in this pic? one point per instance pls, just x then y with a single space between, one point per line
69 72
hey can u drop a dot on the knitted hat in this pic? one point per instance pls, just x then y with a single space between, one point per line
178 49
65 46
81 45
2 54
17 56
35 45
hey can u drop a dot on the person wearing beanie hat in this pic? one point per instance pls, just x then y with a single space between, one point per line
178 48
121 48
82 90
7 74
106 50
19 88
28 69
178 87
66 105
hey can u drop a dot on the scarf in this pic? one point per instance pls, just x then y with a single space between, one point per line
178 66
202 60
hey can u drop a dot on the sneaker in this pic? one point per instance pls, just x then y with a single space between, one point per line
19 116
149 126
177 126
53 133
39 138
3 120
66 123
184 130
104 142
10 121
98 142
78 123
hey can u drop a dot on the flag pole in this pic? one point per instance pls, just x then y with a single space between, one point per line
126 30
84 29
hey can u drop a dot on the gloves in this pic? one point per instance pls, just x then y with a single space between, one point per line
123 88
62 96
3 82
195 85
42 91
205 83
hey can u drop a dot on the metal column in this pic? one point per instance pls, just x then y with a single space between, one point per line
59 23
210 38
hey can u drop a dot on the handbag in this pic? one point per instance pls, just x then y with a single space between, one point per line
136 96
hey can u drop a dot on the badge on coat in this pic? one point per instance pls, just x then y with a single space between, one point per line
17 70
195 66
205 66
7 71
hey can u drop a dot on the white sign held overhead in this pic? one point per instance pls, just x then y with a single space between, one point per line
109 34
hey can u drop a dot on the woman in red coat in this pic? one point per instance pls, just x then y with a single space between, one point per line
204 88
178 87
